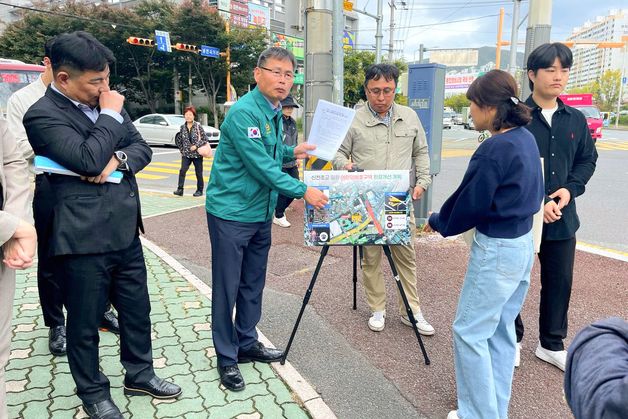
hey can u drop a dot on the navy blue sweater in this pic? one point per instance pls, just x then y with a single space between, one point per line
500 192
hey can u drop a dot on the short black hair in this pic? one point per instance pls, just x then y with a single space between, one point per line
276 53
544 56
377 71
498 89
48 46
79 52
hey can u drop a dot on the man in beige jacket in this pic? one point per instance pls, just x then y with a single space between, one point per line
388 136
17 238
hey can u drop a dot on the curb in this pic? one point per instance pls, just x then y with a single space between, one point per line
309 398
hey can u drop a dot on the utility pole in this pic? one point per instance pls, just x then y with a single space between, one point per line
338 53
318 57
538 33
379 17
378 32
498 50
391 41
512 64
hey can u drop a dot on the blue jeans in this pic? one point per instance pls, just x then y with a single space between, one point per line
495 286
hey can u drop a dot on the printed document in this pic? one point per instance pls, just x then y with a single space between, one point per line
46 165
330 125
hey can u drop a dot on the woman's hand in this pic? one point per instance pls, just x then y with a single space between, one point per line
193 148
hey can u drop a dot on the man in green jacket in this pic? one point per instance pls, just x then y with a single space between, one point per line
245 180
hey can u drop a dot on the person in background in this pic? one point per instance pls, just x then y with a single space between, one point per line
17 239
500 192
569 157
245 180
290 138
48 286
596 374
387 136
191 137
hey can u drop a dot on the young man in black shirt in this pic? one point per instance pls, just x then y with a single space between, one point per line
569 154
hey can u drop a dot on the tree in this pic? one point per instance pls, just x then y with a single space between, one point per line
609 85
457 102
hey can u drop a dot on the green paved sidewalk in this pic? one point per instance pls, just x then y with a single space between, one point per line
40 385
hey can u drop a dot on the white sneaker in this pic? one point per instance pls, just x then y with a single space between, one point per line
377 321
517 354
281 222
556 358
453 415
424 327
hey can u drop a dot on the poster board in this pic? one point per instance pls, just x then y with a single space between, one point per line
372 207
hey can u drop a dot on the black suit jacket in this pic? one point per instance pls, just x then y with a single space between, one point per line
73 216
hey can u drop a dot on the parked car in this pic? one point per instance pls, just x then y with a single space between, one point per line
457 119
160 129
447 121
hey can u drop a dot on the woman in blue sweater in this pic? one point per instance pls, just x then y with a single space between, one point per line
500 192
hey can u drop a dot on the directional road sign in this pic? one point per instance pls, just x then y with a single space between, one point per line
211 52
163 41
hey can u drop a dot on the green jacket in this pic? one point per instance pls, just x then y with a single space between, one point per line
246 175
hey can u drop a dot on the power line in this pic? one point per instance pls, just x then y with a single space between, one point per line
427 25
50 12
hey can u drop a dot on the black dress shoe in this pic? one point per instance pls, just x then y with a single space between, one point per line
156 387
178 192
109 323
103 410
231 378
258 352
198 193
56 340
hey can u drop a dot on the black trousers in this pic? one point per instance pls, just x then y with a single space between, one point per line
556 261
239 260
89 281
283 201
198 169
49 285
50 292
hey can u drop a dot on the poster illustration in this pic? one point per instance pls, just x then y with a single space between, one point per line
365 208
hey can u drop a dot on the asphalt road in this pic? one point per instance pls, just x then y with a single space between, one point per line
601 208
362 374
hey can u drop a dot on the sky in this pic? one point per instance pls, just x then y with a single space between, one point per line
475 25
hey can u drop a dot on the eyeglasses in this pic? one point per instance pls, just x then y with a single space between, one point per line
376 92
278 74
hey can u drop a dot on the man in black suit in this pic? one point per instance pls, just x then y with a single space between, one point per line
91 225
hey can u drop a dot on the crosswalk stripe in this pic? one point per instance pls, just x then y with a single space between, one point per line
150 177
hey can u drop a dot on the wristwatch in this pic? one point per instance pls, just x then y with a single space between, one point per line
122 159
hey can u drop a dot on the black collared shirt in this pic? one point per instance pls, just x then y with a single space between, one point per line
569 161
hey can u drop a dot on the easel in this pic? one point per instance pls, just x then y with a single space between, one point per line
308 294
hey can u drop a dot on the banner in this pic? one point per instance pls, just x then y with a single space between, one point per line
291 43
259 16
348 40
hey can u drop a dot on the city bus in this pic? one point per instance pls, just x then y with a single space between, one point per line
14 75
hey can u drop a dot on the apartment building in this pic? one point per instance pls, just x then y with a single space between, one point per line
591 62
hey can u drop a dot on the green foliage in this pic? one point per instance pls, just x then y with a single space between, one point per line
605 90
457 102
147 73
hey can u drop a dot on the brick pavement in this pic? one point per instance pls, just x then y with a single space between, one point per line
40 385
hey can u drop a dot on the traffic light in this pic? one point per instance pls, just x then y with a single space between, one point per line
143 42
187 47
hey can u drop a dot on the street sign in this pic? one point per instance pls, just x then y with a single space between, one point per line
623 80
163 41
211 52
299 78
347 6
